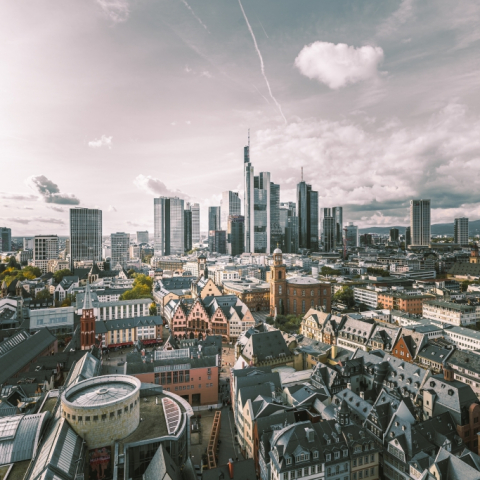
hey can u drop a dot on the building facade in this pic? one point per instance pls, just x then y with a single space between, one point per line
120 248
5 239
85 235
235 234
351 233
187 231
169 224
214 218
460 231
420 229
230 205
217 241
142 237
45 248
307 214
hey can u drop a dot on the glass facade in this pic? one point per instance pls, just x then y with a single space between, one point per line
195 208
230 205
169 224
214 218
120 247
420 222
307 214
235 235
85 235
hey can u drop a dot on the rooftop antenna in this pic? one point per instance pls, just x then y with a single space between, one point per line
302 173
249 139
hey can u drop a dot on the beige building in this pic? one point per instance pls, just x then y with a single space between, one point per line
312 324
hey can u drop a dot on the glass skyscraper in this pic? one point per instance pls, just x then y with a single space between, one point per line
337 214
230 205
214 222
169 224
420 222
120 247
188 227
195 208
460 231
5 239
307 214
85 235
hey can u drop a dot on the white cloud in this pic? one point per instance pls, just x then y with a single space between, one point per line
103 141
338 65
49 191
397 19
117 10
156 187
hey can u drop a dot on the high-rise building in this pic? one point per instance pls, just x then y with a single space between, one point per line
45 248
5 239
230 205
214 218
217 241
408 236
235 234
142 237
460 231
328 234
394 234
258 208
195 208
420 222
169 224
85 235
28 243
187 231
276 232
351 234
337 214
289 226
120 248
307 214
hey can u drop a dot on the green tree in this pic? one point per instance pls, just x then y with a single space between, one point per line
43 295
345 296
378 272
58 275
131 273
464 285
142 288
329 271
12 262
153 309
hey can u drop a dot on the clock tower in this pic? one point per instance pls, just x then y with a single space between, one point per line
278 285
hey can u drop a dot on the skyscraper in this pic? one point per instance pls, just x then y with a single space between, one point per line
142 237
328 233
120 247
45 248
217 241
394 234
420 222
351 234
5 239
235 234
85 235
460 231
307 214
276 232
169 225
337 214
187 231
214 218
195 208
289 226
230 205
408 236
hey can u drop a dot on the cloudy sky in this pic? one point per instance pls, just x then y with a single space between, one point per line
108 103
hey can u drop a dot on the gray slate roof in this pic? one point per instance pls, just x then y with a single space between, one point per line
266 344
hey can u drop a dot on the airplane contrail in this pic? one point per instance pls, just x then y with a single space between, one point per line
195 15
262 27
262 66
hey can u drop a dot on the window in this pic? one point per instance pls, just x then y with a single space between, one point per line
328 457
289 460
311 293
337 455
315 454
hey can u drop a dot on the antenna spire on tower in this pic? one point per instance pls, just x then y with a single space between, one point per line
249 139
302 173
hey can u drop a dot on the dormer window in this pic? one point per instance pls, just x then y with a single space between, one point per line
315 454
328 457
288 460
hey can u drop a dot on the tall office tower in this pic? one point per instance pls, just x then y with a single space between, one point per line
307 214
5 239
85 235
214 218
120 247
187 231
289 225
142 237
408 236
394 234
45 248
229 205
329 231
420 222
217 241
248 207
169 224
351 234
460 231
235 234
276 231
28 243
195 208
337 214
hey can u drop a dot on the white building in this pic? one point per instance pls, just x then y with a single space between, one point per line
451 313
367 295
45 248
463 338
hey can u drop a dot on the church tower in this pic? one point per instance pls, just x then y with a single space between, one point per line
87 321
474 256
202 266
278 285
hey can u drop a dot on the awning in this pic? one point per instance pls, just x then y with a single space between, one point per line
126 344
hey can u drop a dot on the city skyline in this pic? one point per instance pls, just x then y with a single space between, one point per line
371 136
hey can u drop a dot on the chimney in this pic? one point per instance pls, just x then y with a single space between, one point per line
349 386
333 352
230 467
362 395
